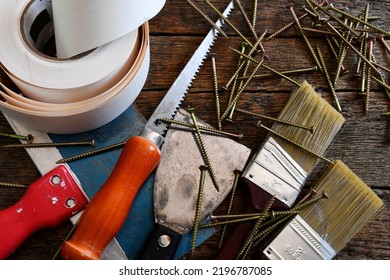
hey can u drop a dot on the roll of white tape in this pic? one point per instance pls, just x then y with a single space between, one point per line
66 95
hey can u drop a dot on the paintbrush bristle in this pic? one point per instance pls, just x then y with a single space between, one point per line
351 204
308 108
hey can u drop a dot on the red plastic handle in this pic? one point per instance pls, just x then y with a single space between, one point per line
47 203
108 209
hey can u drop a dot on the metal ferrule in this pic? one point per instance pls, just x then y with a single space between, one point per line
298 241
152 136
276 172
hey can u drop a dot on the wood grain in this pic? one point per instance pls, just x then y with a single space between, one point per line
363 144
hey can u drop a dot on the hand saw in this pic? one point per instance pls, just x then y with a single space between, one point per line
107 210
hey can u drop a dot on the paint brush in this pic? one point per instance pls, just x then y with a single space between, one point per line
280 168
323 229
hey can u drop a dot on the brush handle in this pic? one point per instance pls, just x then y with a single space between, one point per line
47 203
108 209
256 201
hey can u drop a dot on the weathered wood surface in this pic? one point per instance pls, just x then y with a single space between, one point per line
363 144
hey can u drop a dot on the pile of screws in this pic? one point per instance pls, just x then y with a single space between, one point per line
343 32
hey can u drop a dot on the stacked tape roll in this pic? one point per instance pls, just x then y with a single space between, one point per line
101 64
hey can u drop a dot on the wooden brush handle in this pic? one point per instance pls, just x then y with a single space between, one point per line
47 203
108 209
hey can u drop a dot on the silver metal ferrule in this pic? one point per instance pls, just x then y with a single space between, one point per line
298 241
152 136
275 171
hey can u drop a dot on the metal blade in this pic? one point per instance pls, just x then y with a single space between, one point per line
173 98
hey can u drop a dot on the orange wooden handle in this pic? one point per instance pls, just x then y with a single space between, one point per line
108 209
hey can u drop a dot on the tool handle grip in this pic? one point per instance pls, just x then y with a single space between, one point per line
47 203
109 207
162 244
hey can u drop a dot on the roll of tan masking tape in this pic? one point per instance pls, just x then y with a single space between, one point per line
75 94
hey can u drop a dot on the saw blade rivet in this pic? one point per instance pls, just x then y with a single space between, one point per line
164 241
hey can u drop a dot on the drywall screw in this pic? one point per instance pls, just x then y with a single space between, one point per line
91 153
314 56
254 17
382 40
12 185
255 228
203 170
309 12
241 218
57 253
228 23
267 67
381 66
382 79
237 174
320 31
309 128
235 99
363 42
334 18
333 51
310 194
352 47
203 149
296 144
381 82
253 49
313 10
52 144
203 128
29 138
304 204
371 41
250 25
232 91
206 17
240 87
272 214
215 82
374 27
292 71
287 26
261 235
327 76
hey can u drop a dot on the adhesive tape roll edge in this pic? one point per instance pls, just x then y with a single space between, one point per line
85 119
76 115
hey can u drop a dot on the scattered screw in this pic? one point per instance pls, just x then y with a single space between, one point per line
203 170
91 153
237 174
229 23
51 144
297 144
314 56
203 149
29 138
327 76
215 81
311 128
206 17
12 185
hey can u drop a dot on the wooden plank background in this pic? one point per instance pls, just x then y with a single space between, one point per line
175 33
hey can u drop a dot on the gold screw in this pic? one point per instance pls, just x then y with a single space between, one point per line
50 144
203 149
203 170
